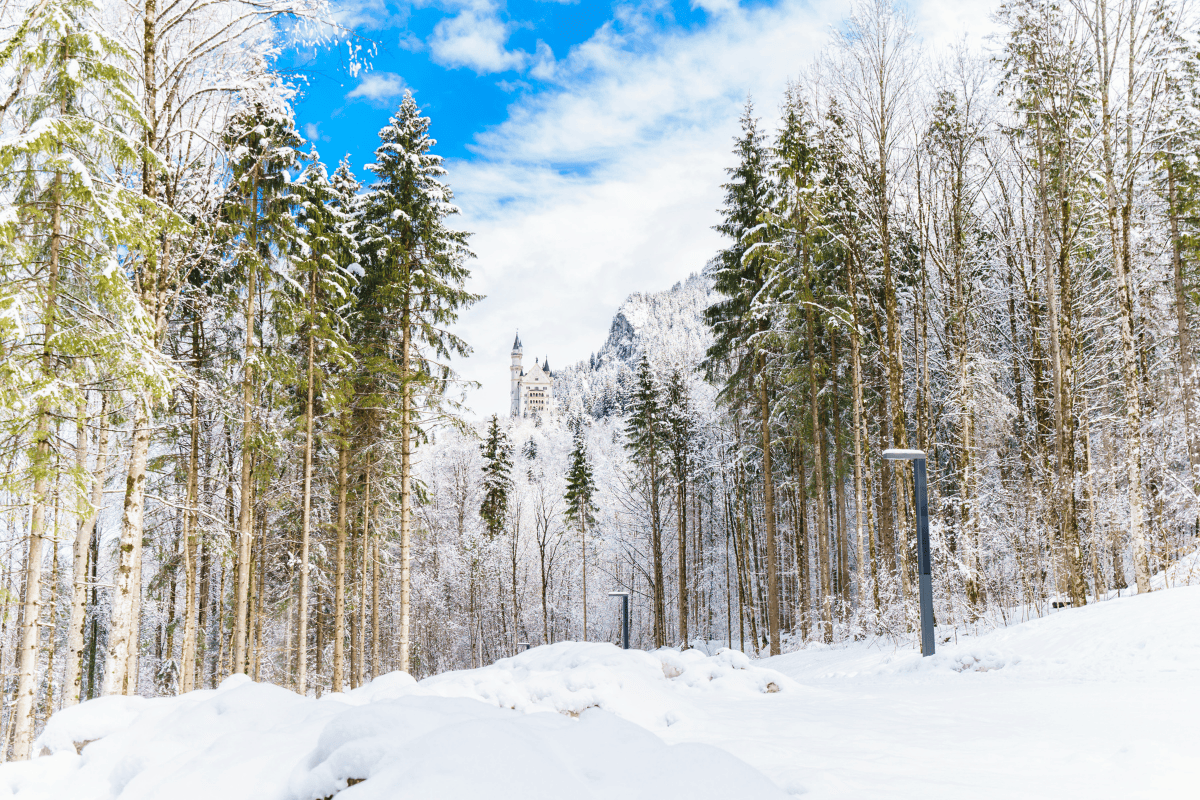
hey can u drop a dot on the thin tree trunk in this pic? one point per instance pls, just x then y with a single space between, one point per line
376 663
190 519
839 493
364 563
339 592
405 496
764 409
583 561
681 502
72 677
246 511
1187 378
306 505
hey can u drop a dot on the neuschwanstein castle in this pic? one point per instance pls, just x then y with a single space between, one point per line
533 391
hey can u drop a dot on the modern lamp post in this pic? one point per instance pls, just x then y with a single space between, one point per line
624 617
924 577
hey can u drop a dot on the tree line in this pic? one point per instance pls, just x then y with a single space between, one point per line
195 312
988 258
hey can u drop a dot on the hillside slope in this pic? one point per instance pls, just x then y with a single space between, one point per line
666 326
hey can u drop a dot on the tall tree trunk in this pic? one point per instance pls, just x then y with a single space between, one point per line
583 562
764 410
681 503
819 458
190 520
88 514
306 503
376 663
246 510
1124 288
1187 376
405 496
27 655
339 592
364 564
856 390
839 493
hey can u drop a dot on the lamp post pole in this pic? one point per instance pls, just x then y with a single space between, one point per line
924 573
624 617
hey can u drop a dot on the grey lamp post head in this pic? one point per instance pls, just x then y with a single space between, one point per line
904 455
924 576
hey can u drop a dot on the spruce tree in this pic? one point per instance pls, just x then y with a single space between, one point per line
646 434
581 488
497 478
680 432
411 293
325 256
742 319
258 217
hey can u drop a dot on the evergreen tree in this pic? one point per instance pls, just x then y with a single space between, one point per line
411 292
581 488
258 215
680 431
646 435
743 318
326 255
497 478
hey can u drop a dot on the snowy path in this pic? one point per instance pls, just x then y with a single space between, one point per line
1097 702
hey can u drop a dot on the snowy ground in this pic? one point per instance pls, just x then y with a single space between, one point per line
1102 701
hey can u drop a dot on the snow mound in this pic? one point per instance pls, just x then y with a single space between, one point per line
1114 639
482 733
654 689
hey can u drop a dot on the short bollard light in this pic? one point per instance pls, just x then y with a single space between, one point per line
624 617
924 576
524 646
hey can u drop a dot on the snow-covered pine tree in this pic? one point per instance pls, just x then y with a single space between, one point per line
581 489
681 432
412 291
497 478
646 432
742 319
265 146
325 260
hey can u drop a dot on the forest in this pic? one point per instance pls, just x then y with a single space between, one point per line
233 437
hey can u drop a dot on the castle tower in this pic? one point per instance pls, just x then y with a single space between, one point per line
516 376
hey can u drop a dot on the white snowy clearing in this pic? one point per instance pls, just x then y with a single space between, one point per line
1102 701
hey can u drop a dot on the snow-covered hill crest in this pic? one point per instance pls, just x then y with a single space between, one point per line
668 327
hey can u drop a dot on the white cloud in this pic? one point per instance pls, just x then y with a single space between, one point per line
378 87
312 131
370 14
475 38
609 182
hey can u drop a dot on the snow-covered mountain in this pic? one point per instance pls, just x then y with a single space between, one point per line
667 326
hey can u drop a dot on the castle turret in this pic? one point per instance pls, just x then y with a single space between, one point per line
516 375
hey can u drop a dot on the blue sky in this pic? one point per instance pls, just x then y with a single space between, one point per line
467 63
586 141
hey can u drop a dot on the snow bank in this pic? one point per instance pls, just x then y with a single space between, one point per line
479 733
655 689
1114 639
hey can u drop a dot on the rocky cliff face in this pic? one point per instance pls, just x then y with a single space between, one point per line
668 327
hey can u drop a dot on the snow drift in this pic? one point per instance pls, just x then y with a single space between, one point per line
545 724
